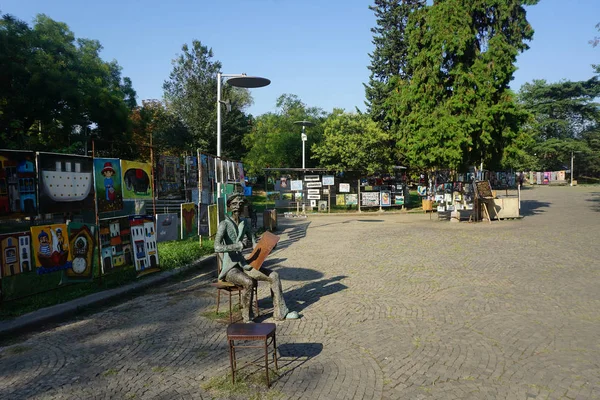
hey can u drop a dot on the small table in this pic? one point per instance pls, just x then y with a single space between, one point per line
251 332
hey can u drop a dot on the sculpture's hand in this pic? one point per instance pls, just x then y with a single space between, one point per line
247 267
238 246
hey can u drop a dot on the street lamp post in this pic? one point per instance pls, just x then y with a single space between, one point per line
304 124
572 158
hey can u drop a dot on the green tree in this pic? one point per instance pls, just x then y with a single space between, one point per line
389 58
353 142
191 93
456 109
52 83
275 141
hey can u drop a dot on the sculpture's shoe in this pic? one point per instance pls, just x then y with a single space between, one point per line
292 315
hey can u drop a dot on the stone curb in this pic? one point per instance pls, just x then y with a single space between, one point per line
68 309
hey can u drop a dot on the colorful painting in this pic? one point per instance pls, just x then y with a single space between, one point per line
17 183
213 220
240 173
137 180
167 227
66 183
82 239
107 176
15 256
51 248
298 196
385 198
399 199
189 220
169 180
115 244
369 199
422 191
351 199
143 240
340 200
328 180
191 172
203 179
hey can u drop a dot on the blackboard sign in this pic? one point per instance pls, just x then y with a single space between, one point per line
484 189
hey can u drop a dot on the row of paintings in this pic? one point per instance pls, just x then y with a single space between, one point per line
50 248
383 198
213 170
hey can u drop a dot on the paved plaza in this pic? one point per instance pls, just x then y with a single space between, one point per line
394 306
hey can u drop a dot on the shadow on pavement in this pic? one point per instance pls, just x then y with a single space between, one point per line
595 200
301 297
294 234
532 207
294 355
298 274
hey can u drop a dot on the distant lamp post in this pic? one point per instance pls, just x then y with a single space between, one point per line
237 80
304 124
572 158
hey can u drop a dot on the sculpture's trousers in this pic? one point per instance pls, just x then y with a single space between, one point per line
247 279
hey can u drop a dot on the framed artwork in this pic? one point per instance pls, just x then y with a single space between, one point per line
137 180
16 255
328 180
51 248
115 244
422 191
351 199
82 239
369 199
143 240
189 220
399 199
203 220
296 185
167 227
323 205
313 203
170 184
344 188
107 178
385 198
18 183
66 183
191 172
298 196
340 200
213 220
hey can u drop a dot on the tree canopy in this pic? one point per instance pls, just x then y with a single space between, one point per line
55 90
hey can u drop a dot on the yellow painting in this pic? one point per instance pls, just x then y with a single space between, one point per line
137 180
212 220
50 244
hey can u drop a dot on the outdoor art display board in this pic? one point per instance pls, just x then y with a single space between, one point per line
189 220
213 220
115 244
191 172
66 183
137 180
15 254
203 220
385 198
18 183
82 239
169 178
167 227
51 248
352 199
107 179
369 199
143 240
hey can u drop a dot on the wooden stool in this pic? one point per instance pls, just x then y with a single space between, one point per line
248 332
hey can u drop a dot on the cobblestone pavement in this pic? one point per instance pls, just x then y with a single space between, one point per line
393 306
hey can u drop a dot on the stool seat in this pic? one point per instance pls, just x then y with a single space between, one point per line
258 332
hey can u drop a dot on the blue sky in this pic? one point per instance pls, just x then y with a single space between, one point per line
317 50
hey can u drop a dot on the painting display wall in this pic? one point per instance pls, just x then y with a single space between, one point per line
189 220
191 172
18 194
51 248
169 178
107 178
66 183
137 180
167 227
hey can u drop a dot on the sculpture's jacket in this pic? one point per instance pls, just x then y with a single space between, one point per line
228 241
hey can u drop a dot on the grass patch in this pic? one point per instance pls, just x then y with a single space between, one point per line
172 255
18 349
247 386
110 372
222 315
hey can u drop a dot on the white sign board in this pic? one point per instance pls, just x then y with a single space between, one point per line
328 180
344 188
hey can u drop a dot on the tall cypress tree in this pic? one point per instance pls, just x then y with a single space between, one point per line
456 109
389 57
